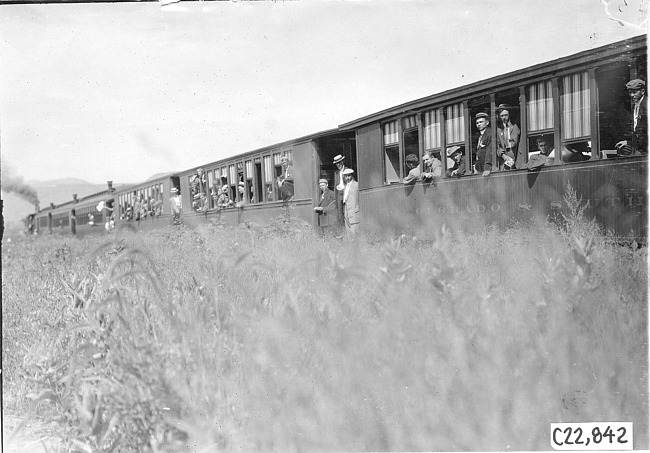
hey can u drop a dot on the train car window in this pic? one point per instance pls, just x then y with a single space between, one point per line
410 140
241 196
542 144
277 171
539 107
575 107
233 182
391 152
411 147
539 118
211 201
431 129
258 186
268 178
250 195
455 124
455 136
614 107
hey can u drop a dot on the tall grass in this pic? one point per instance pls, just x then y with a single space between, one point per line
277 339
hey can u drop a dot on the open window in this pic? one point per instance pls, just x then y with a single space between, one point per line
410 141
269 173
431 130
614 109
575 106
539 117
455 131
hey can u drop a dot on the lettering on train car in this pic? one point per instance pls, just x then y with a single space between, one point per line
474 209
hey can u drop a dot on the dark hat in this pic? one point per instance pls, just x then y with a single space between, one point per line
322 181
636 84
503 107
348 171
453 150
412 158
338 159
482 115
536 161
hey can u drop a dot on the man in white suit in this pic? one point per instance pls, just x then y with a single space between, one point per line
351 203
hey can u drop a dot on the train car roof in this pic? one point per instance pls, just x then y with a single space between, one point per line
97 196
294 141
518 76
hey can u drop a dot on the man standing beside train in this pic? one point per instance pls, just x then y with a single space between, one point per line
351 204
507 139
484 144
638 142
339 185
176 205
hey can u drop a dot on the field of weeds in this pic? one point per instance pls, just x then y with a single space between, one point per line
278 339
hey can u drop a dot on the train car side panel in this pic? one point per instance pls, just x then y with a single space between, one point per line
369 140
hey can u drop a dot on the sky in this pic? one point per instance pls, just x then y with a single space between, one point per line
125 91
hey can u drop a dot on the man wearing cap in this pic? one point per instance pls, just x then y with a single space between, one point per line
507 139
339 182
460 162
176 206
326 206
432 167
638 142
484 144
413 165
351 203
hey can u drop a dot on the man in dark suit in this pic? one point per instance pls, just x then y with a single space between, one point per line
351 204
326 206
637 144
339 187
484 144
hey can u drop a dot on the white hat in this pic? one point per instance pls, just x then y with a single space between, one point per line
338 159
100 206
173 190
453 150
348 171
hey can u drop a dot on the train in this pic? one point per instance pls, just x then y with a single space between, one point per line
578 105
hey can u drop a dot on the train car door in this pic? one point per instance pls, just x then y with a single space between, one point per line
327 148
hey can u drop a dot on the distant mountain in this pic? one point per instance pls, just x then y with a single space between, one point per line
61 182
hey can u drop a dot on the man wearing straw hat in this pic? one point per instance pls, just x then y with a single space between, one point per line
339 185
176 206
351 203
